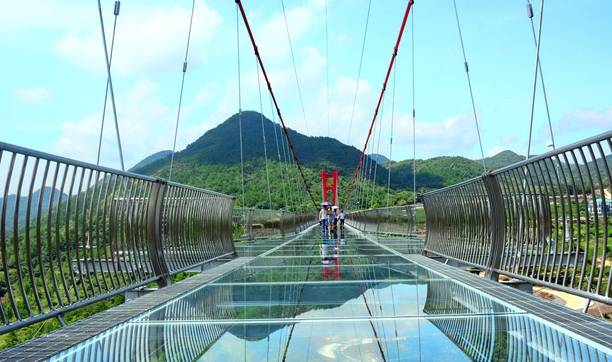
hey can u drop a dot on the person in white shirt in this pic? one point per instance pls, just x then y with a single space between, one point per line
342 217
323 221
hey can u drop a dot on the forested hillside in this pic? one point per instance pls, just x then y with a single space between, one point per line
213 161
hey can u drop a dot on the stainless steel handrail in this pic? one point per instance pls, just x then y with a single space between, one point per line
547 220
259 223
398 220
73 233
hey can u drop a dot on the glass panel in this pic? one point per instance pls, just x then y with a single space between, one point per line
482 338
349 299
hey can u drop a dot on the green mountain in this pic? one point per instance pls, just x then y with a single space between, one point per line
221 146
502 159
380 159
45 202
150 159
434 173
213 161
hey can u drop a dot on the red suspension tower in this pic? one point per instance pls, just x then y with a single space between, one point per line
329 186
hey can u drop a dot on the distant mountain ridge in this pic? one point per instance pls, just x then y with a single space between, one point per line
380 159
502 159
46 202
152 158
221 145
218 150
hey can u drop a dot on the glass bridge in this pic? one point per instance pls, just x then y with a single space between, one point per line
353 298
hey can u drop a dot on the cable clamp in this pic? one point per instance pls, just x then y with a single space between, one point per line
467 69
184 67
529 11
117 7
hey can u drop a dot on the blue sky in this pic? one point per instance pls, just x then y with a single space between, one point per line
52 73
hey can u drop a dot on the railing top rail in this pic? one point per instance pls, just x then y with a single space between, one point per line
72 162
385 208
69 161
544 220
591 140
77 233
209 192
546 155
273 210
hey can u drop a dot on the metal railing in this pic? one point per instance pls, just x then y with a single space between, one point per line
397 220
161 341
72 233
486 330
546 220
251 224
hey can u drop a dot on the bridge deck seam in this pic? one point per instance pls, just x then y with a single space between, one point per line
50 344
583 325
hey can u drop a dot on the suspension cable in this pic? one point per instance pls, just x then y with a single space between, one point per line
180 103
535 41
278 112
414 194
467 73
552 136
391 134
263 135
280 163
240 108
295 73
327 67
535 77
366 178
380 97
360 188
364 184
369 168
116 13
110 85
287 175
288 166
363 43
377 150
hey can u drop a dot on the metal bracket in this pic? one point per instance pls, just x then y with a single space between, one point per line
154 232
497 228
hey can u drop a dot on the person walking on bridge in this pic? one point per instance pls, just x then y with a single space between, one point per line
342 217
323 221
332 222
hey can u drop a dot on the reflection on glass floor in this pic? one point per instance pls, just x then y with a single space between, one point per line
346 299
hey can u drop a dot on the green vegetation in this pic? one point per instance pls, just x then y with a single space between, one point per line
38 329
213 162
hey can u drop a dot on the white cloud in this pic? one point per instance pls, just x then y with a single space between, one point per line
145 124
453 135
495 150
36 14
585 118
271 35
149 39
572 127
32 95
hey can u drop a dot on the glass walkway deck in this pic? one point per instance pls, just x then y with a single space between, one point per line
349 299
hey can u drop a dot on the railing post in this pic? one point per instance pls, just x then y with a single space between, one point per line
281 224
154 232
249 224
410 220
497 231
